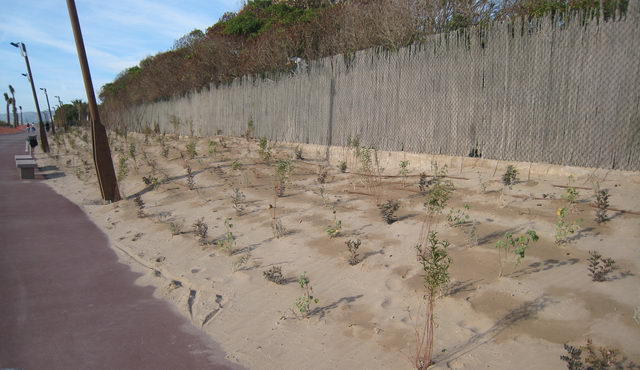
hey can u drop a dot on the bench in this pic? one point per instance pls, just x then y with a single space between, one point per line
26 168
23 157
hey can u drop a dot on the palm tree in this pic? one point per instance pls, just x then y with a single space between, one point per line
15 111
8 100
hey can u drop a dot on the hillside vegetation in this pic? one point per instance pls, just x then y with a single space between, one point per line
266 35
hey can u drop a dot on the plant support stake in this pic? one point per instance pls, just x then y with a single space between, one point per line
101 152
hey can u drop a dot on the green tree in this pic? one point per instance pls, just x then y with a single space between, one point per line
13 102
7 99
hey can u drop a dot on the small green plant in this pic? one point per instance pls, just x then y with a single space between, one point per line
191 182
264 149
282 171
248 134
201 230
236 165
601 204
571 195
303 304
123 168
404 171
423 182
510 176
277 228
435 262
192 151
237 200
274 275
514 246
590 357
600 267
139 205
334 229
342 167
228 241
298 153
165 151
213 146
388 210
352 247
151 181
175 227
459 217
564 228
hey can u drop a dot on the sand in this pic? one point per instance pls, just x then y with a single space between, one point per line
367 313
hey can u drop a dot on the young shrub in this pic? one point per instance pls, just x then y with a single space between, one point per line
515 246
303 304
388 210
459 217
239 263
132 152
601 204
564 228
191 182
404 171
237 200
323 172
274 275
283 170
228 241
165 151
352 247
175 227
192 151
123 168
212 147
590 357
151 181
201 230
571 195
236 165
423 182
298 153
140 205
600 267
342 167
264 149
334 229
248 134
510 176
435 262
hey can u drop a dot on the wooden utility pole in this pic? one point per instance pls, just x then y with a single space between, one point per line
101 152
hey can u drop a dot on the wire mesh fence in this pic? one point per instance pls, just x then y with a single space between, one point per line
561 90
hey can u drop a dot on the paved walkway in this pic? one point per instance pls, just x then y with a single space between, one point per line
65 300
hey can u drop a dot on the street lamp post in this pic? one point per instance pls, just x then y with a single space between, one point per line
43 134
101 152
53 127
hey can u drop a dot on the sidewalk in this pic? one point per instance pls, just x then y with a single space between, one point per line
65 300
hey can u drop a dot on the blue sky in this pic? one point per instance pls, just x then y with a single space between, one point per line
117 35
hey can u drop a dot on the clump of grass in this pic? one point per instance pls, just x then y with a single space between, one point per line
277 228
435 262
132 152
510 176
201 230
352 247
282 171
423 182
240 262
139 205
274 275
404 171
236 165
123 168
601 204
191 182
303 304
213 146
342 167
600 267
388 210
514 246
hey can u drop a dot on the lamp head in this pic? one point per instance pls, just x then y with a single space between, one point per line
15 44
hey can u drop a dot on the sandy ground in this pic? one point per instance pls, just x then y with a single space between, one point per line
367 313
